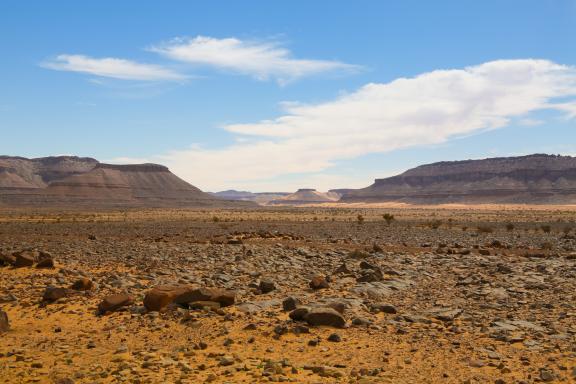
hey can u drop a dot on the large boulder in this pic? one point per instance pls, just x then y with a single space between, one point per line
161 296
319 316
4 323
115 302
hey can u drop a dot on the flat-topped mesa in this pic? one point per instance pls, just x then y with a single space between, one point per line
533 179
306 190
147 167
79 181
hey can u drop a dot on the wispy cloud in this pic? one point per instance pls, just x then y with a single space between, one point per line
112 67
379 117
262 60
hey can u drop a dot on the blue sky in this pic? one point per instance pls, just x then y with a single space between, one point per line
268 95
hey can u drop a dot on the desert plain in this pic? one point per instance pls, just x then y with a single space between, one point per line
325 294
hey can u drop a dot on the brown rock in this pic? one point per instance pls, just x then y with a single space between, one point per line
54 293
222 296
267 286
161 296
299 313
318 316
290 303
115 302
325 316
4 323
24 259
319 282
83 284
46 263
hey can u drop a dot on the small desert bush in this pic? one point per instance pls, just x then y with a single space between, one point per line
546 228
388 218
360 219
510 227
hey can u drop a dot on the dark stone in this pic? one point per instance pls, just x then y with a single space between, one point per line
24 259
267 286
54 293
290 303
334 337
45 263
385 308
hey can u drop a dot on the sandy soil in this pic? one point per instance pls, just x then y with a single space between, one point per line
446 295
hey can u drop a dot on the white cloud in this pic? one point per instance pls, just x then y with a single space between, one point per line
112 67
263 60
425 110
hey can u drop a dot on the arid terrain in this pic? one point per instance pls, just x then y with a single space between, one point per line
304 295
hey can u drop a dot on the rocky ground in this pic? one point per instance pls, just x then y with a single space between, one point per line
304 295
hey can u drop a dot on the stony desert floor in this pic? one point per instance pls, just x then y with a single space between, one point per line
304 295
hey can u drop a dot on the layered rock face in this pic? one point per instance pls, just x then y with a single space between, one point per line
75 181
533 179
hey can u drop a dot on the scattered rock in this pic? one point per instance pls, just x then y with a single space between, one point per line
82 284
290 303
334 337
47 262
113 303
267 286
319 282
52 294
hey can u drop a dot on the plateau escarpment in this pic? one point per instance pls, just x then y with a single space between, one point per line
533 179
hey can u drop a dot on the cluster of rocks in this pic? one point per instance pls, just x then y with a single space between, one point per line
27 258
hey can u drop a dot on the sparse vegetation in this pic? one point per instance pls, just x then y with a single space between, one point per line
389 218
510 227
